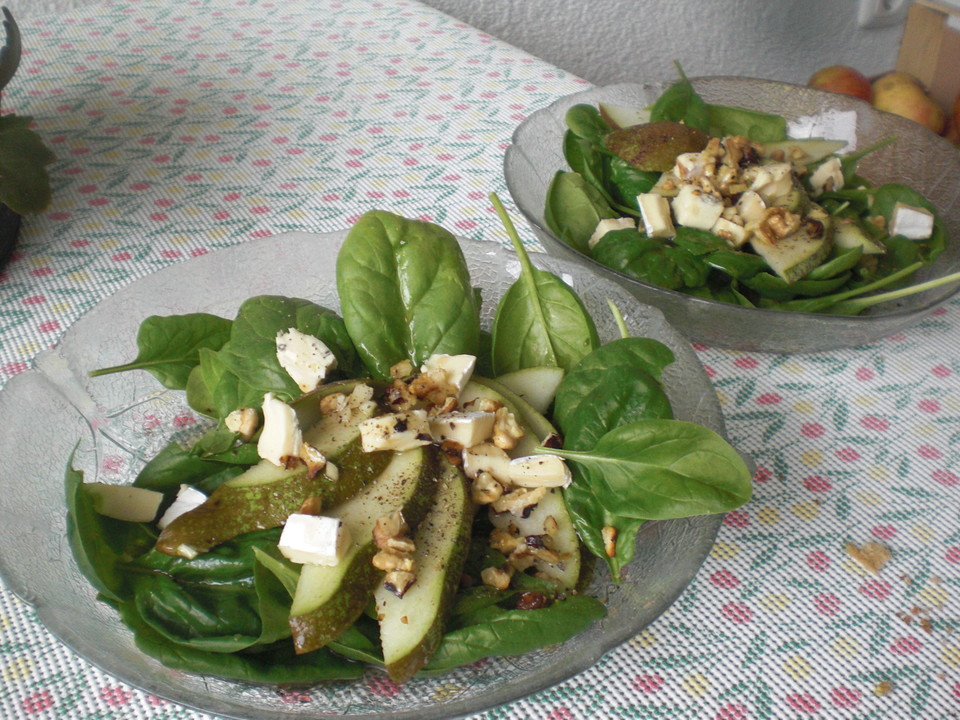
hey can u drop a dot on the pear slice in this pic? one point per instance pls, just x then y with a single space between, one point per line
797 254
536 385
655 146
618 116
329 598
411 627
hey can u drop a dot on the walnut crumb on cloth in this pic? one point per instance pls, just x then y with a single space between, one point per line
872 555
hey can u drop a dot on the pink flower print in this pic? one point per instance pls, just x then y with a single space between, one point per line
847 455
115 696
817 484
762 474
37 702
876 589
945 477
818 561
769 399
863 374
929 453
382 685
647 683
827 603
845 697
560 713
812 430
725 579
907 645
14 368
941 371
48 326
736 519
803 703
928 406
884 532
952 555
872 422
746 363
737 613
732 711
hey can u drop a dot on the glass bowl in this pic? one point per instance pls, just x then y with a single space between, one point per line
918 158
121 420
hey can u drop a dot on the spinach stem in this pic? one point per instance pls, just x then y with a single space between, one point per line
618 318
858 304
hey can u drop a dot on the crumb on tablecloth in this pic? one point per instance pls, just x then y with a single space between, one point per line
872 555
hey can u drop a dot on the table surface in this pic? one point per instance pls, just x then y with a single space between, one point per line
182 128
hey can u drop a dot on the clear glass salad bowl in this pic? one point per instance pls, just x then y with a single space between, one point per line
113 424
918 158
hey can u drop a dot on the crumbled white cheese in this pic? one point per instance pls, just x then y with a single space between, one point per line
655 213
314 540
609 225
305 358
187 499
828 176
751 207
773 182
281 437
911 222
735 235
395 431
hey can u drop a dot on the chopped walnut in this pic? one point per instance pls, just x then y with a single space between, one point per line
403 369
433 387
388 561
505 540
520 501
244 422
609 535
315 460
495 578
333 403
399 581
310 506
485 489
388 527
506 430
777 223
872 555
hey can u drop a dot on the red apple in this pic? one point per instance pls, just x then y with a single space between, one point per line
842 79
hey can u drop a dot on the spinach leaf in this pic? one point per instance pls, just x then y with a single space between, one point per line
573 209
175 465
360 642
101 545
626 182
405 292
758 126
274 664
590 516
651 260
540 320
585 122
662 469
493 631
168 346
681 103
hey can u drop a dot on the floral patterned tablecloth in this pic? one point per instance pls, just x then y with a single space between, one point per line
184 127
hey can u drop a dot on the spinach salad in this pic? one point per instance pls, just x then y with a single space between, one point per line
719 203
455 514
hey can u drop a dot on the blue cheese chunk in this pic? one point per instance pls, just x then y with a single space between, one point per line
314 540
913 223
305 358
395 431
187 499
694 208
655 214
281 437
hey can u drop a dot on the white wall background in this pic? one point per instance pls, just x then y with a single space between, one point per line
607 41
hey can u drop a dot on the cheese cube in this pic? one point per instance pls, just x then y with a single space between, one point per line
773 182
735 235
464 428
456 369
314 540
395 431
751 207
911 222
655 213
187 499
305 358
828 176
696 209
281 437
609 225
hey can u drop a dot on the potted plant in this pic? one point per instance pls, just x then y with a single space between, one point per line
24 183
